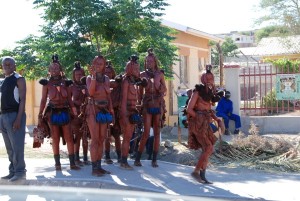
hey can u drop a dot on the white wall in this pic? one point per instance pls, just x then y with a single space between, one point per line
176 83
232 84
193 68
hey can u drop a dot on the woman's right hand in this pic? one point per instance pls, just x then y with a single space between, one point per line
40 119
92 71
221 125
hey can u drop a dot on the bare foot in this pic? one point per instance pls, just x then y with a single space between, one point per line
87 162
109 161
138 163
74 167
196 176
97 173
79 163
126 166
154 164
103 171
58 167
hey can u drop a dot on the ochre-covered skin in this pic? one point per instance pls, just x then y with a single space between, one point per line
200 133
200 115
153 107
58 92
128 107
79 96
115 129
98 86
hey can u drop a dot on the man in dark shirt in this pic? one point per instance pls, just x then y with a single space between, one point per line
13 118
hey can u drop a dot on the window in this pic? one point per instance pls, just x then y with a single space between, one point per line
183 68
200 66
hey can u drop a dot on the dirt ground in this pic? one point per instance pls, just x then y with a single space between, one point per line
177 153
170 150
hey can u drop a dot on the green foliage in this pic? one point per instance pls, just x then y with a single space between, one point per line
228 49
285 65
284 13
214 57
269 101
78 30
271 31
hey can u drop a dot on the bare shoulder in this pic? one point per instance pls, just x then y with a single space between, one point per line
125 81
159 72
21 81
195 93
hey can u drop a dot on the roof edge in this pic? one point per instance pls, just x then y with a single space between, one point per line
191 31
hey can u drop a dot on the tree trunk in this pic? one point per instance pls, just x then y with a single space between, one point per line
221 64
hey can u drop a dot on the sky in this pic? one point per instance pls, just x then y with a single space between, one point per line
214 16
19 19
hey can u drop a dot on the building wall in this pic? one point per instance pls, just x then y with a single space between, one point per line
37 100
30 92
241 40
238 38
197 52
191 40
33 99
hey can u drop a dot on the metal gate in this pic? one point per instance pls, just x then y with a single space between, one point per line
258 94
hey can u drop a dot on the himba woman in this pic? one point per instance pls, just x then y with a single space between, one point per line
99 112
152 98
200 115
129 115
79 94
114 130
58 111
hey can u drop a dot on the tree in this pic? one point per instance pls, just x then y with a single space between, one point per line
271 31
221 63
218 52
82 29
228 49
281 12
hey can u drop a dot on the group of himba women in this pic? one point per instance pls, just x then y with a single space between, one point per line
103 104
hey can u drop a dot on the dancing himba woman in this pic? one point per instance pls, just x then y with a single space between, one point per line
99 112
58 111
79 94
152 99
200 115
114 130
129 114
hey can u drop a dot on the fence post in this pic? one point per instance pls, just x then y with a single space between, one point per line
232 84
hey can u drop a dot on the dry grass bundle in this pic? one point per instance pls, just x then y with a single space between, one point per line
261 152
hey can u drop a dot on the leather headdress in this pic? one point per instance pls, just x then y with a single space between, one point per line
151 54
204 75
77 67
109 70
131 64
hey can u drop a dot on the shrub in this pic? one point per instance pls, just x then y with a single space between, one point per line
269 101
